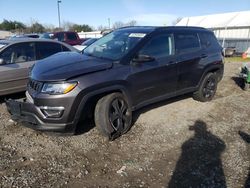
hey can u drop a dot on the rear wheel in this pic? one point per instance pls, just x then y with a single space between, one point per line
113 115
207 88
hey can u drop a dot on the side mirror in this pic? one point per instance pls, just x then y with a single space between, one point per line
2 61
143 58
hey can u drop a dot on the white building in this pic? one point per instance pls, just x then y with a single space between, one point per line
5 34
92 34
231 29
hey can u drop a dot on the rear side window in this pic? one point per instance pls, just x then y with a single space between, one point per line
46 49
71 36
208 40
18 53
159 46
187 42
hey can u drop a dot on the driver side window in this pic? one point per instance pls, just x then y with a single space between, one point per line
159 46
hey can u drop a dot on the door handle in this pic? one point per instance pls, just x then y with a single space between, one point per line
203 56
171 63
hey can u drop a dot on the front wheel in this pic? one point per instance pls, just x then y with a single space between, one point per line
207 88
113 115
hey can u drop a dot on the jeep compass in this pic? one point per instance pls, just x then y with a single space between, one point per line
125 70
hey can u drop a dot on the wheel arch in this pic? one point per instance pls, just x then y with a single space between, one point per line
89 100
219 69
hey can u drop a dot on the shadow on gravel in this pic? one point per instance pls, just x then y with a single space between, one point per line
238 81
12 96
200 162
246 138
137 113
85 126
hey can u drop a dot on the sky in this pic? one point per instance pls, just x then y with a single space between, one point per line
98 12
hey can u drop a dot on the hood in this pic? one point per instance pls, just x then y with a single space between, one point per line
66 65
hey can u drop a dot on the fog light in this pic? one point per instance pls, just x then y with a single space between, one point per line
52 112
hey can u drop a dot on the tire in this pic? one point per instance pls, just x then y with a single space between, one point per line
113 115
207 88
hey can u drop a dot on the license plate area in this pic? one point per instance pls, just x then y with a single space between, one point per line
14 107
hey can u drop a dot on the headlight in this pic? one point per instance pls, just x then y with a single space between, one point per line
58 88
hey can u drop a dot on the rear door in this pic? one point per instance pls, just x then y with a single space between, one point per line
158 77
18 58
190 59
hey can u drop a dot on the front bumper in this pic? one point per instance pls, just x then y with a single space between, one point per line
26 113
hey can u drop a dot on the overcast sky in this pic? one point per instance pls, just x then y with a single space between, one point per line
97 12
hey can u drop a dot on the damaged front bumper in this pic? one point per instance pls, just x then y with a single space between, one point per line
37 118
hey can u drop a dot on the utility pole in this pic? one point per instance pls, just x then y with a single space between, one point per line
109 22
58 9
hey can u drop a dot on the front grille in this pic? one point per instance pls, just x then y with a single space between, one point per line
35 85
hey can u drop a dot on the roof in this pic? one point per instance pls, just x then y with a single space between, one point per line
148 29
20 40
229 20
145 29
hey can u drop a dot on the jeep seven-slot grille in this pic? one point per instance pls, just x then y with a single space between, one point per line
35 85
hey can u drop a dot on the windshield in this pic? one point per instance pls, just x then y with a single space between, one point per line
114 45
88 42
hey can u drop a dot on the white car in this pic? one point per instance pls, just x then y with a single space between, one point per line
85 44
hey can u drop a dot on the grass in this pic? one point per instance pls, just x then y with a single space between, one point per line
236 59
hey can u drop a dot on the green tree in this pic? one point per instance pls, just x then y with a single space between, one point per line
79 28
36 28
12 25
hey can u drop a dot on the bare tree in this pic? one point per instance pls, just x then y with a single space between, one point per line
132 23
49 27
66 25
120 24
102 27
177 20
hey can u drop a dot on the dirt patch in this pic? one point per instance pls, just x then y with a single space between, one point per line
175 143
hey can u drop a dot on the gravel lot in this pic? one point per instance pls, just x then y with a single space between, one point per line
175 143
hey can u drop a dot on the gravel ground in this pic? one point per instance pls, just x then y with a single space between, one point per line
175 143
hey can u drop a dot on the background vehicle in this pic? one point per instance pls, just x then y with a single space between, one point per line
229 51
248 53
68 37
85 44
18 56
32 35
121 72
46 36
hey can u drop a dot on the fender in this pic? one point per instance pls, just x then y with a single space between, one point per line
114 88
213 68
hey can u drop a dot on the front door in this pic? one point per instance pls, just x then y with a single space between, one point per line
14 70
156 78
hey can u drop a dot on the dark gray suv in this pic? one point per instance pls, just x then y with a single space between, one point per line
121 72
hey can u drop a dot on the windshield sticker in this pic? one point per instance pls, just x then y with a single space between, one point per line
137 35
